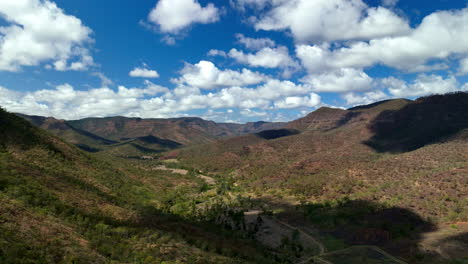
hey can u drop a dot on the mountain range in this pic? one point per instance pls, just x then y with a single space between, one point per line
136 136
355 183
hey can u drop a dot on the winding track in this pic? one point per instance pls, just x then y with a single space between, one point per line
320 246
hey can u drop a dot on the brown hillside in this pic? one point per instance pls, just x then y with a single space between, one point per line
322 119
334 156
182 130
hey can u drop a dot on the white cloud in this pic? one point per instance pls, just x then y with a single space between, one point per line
206 75
296 101
465 87
215 52
262 96
243 116
144 73
105 82
253 113
275 89
38 32
439 36
255 43
354 99
422 85
8 97
220 116
66 102
340 80
153 100
330 20
153 89
266 58
396 88
243 4
266 55
172 16
464 66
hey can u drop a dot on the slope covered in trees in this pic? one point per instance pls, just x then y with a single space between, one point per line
61 205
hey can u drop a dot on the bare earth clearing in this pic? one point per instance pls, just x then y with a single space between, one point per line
207 179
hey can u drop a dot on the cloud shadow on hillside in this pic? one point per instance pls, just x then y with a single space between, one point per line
397 230
276 133
426 121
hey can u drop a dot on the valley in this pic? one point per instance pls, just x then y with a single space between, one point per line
234 132
381 183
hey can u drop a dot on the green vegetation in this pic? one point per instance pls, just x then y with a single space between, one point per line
382 175
60 205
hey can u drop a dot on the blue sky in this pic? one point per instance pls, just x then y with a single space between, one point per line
228 61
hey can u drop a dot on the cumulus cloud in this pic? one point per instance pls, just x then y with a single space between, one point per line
205 75
105 82
439 36
215 52
255 43
153 100
266 57
296 101
172 16
66 102
464 66
153 89
465 87
262 96
244 115
38 31
422 85
353 99
391 87
253 113
265 96
340 80
330 20
143 72
8 97
242 5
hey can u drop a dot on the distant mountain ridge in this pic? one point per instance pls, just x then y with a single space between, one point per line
390 121
185 130
139 136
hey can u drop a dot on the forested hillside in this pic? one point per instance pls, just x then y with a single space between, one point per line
61 205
